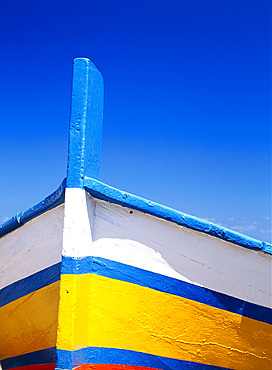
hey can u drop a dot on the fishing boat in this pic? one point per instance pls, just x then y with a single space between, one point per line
93 277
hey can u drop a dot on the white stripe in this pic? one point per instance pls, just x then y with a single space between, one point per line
97 228
32 247
150 243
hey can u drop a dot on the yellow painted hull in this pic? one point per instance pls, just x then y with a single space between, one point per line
115 281
109 313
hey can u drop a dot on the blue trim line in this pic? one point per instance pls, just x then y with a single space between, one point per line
105 192
115 356
45 356
50 202
30 284
119 271
86 119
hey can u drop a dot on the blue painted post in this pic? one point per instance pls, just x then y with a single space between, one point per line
86 119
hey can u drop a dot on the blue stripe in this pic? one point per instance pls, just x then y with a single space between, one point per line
105 192
30 284
45 356
50 202
120 271
100 355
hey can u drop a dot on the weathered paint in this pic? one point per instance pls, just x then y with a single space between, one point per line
109 358
78 214
85 137
30 322
30 263
141 284
105 192
50 202
128 316
38 367
112 367
38 360
31 248
115 270
29 284
150 243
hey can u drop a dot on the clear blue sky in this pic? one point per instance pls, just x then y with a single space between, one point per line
187 102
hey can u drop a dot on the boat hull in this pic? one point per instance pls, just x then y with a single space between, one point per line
117 288
29 296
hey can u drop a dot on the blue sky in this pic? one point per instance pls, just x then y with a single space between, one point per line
187 102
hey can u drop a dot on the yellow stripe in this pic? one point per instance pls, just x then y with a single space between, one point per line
67 308
117 314
30 323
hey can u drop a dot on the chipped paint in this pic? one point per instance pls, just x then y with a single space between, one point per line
116 270
30 262
113 314
114 281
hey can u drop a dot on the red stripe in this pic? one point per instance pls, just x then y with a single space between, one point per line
37 367
113 367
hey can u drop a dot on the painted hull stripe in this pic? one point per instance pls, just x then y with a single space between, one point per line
46 357
119 271
30 284
50 202
99 190
112 367
100 355
30 322
38 367
116 314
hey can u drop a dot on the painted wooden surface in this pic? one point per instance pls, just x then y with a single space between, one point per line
146 292
163 247
114 281
131 237
31 253
102 191
30 262
33 247
85 132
